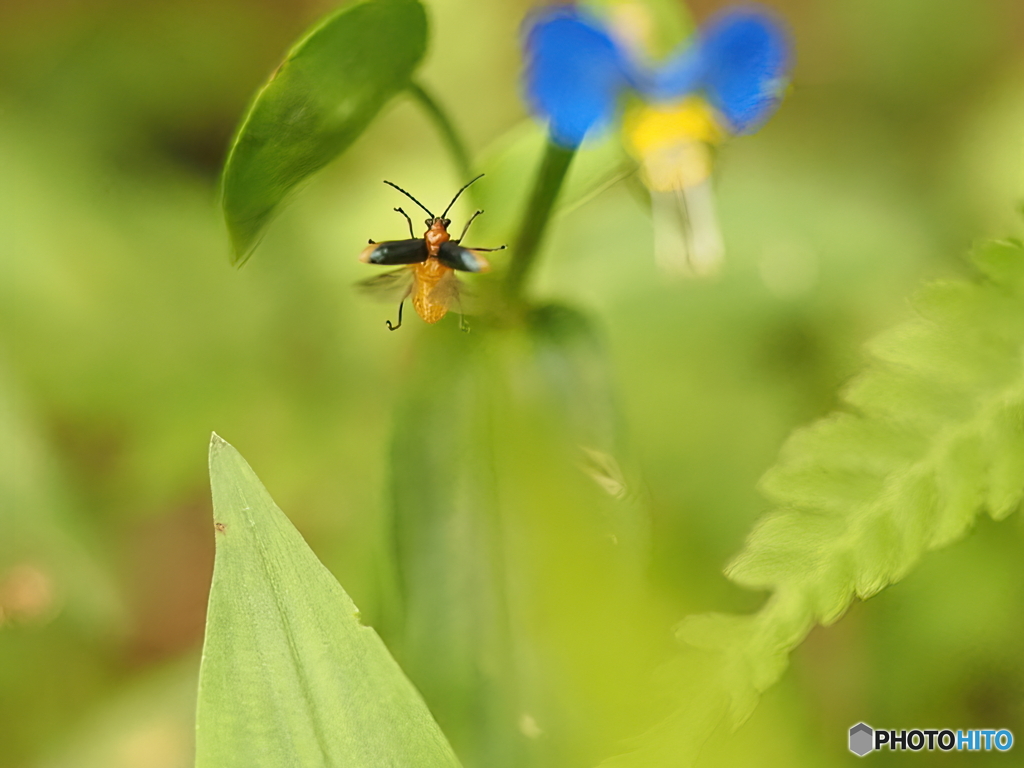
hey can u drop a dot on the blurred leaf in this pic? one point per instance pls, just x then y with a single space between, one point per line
571 357
519 543
59 606
148 720
454 638
315 105
935 436
48 551
660 25
289 674
596 166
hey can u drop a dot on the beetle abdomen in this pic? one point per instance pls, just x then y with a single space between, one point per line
434 290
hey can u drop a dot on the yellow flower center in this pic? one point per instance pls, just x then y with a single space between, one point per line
674 142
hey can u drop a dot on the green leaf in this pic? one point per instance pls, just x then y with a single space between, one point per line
324 94
290 677
571 356
453 637
519 542
933 435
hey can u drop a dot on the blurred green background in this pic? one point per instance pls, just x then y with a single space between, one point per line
126 338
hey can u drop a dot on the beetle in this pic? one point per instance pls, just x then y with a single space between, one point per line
429 263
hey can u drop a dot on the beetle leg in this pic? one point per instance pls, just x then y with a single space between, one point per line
411 233
487 250
463 323
396 327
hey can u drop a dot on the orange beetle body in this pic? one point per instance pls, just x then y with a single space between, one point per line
429 264
428 276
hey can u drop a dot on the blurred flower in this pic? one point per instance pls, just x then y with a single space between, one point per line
575 72
725 81
738 61
675 146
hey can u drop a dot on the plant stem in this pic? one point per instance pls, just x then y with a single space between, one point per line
449 134
553 169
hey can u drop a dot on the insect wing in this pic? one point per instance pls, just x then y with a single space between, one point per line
395 252
447 292
389 287
456 257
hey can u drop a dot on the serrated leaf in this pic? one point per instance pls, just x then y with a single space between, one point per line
936 438
289 674
321 98
912 470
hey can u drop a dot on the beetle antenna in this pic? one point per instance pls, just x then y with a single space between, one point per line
457 196
421 205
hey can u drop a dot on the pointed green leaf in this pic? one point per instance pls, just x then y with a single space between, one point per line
330 86
290 677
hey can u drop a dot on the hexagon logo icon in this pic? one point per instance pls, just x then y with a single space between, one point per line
862 739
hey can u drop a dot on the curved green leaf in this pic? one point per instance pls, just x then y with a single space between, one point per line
324 94
289 674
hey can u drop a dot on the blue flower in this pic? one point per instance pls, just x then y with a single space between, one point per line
739 62
577 71
725 81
